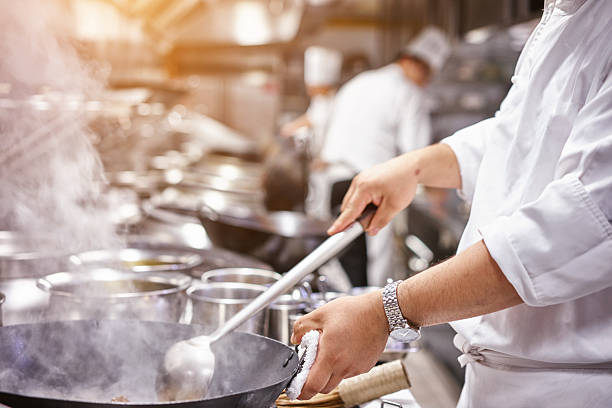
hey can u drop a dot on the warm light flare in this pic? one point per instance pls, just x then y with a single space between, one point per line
251 25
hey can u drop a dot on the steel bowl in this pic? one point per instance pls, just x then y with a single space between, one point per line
242 275
158 259
116 295
212 304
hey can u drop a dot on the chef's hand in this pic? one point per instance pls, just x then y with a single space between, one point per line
354 333
391 186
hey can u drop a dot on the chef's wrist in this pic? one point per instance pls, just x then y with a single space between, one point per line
378 309
413 165
407 308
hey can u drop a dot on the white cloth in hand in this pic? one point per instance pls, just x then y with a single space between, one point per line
307 349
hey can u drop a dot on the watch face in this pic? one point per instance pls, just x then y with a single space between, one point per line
405 335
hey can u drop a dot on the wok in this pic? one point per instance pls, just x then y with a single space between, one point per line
87 363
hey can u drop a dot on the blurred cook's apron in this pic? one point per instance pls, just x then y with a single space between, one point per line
494 379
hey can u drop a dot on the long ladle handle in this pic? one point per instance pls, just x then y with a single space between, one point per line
323 253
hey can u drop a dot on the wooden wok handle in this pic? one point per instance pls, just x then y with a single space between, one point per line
380 380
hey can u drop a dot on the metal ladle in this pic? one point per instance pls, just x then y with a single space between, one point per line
188 365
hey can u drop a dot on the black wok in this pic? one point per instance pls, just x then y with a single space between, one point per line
279 238
87 363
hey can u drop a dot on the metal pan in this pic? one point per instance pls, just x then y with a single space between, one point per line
88 363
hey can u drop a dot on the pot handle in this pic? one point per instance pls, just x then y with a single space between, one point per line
209 211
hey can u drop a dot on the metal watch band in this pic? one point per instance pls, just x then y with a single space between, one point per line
391 306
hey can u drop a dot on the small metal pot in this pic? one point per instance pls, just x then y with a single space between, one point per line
1 302
242 275
283 314
115 295
212 304
318 299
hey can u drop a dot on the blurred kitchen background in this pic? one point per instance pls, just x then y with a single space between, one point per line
196 92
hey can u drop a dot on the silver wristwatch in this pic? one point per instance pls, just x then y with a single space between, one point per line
399 328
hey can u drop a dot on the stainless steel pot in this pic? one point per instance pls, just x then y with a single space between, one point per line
113 294
242 275
212 304
22 256
318 299
158 259
2 298
282 315
22 262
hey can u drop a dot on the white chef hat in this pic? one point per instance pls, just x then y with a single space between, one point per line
431 46
322 66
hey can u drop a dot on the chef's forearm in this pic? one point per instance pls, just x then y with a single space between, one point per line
467 285
435 166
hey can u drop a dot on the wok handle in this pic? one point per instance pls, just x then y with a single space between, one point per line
380 380
323 253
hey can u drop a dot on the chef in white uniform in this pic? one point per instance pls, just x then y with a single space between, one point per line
378 115
322 71
530 290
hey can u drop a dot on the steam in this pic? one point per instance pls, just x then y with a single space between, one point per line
50 175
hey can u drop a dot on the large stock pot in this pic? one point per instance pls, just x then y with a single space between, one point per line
114 294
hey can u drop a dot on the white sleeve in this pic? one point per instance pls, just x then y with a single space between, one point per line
559 247
468 144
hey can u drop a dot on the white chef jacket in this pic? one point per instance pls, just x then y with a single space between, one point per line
378 115
539 175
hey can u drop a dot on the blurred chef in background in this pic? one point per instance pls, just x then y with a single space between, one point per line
287 177
322 69
378 115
